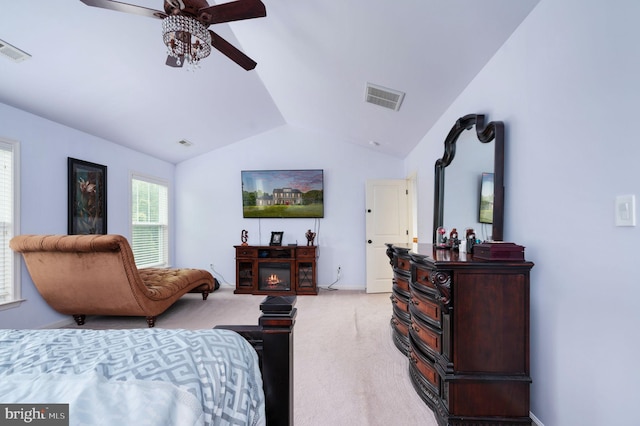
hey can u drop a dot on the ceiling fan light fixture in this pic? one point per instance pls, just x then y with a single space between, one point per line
186 39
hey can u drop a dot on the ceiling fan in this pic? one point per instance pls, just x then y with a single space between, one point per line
184 27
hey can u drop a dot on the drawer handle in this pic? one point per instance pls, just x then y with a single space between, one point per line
415 328
414 302
393 299
412 358
394 321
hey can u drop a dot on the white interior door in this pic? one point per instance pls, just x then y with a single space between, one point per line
387 221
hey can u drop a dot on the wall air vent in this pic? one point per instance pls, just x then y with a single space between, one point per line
12 52
384 97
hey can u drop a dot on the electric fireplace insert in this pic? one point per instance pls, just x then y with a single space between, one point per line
274 276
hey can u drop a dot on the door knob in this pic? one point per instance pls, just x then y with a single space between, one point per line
368 210
369 241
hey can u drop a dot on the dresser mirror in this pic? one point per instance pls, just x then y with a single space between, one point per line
479 159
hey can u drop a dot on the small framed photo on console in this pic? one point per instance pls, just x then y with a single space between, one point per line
276 239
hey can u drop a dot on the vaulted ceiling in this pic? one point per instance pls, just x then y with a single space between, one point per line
103 72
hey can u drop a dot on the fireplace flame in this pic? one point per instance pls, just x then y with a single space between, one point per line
273 280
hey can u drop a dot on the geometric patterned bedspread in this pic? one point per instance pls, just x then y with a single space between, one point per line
137 376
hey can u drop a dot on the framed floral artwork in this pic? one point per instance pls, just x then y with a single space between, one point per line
87 197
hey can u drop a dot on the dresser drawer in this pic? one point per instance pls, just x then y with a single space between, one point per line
427 309
242 252
403 264
422 278
306 252
402 283
429 340
425 368
401 315
400 326
400 302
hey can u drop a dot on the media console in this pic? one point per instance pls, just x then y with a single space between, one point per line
276 270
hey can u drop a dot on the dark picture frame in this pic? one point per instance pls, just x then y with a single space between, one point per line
276 239
87 197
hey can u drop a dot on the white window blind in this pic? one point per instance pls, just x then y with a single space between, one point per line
9 279
150 222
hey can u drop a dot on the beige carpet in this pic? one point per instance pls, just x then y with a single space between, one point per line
347 370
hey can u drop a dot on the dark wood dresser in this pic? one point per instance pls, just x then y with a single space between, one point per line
467 334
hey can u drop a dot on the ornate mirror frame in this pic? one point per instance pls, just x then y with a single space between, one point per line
494 130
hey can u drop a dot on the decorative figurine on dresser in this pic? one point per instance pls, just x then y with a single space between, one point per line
310 237
465 328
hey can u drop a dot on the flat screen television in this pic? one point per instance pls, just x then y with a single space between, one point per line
486 198
282 193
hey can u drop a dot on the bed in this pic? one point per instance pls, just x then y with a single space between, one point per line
229 375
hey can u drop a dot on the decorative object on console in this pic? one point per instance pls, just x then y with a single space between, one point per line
244 236
441 238
86 197
310 237
184 27
282 193
454 242
498 250
276 239
471 239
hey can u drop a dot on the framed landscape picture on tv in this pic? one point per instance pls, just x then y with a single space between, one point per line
282 193
486 198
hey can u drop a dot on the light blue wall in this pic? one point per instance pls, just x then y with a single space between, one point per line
45 146
566 85
208 197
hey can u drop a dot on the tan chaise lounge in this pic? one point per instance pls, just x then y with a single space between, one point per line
83 275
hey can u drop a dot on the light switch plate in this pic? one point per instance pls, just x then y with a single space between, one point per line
625 210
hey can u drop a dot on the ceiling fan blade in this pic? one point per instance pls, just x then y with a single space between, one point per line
232 52
173 61
125 7
234 11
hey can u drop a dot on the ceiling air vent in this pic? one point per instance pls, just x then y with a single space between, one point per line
384 97
185 142
12 52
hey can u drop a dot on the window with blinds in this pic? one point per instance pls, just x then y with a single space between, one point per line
150 222
9 261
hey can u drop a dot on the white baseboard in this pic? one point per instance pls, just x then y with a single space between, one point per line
535 420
